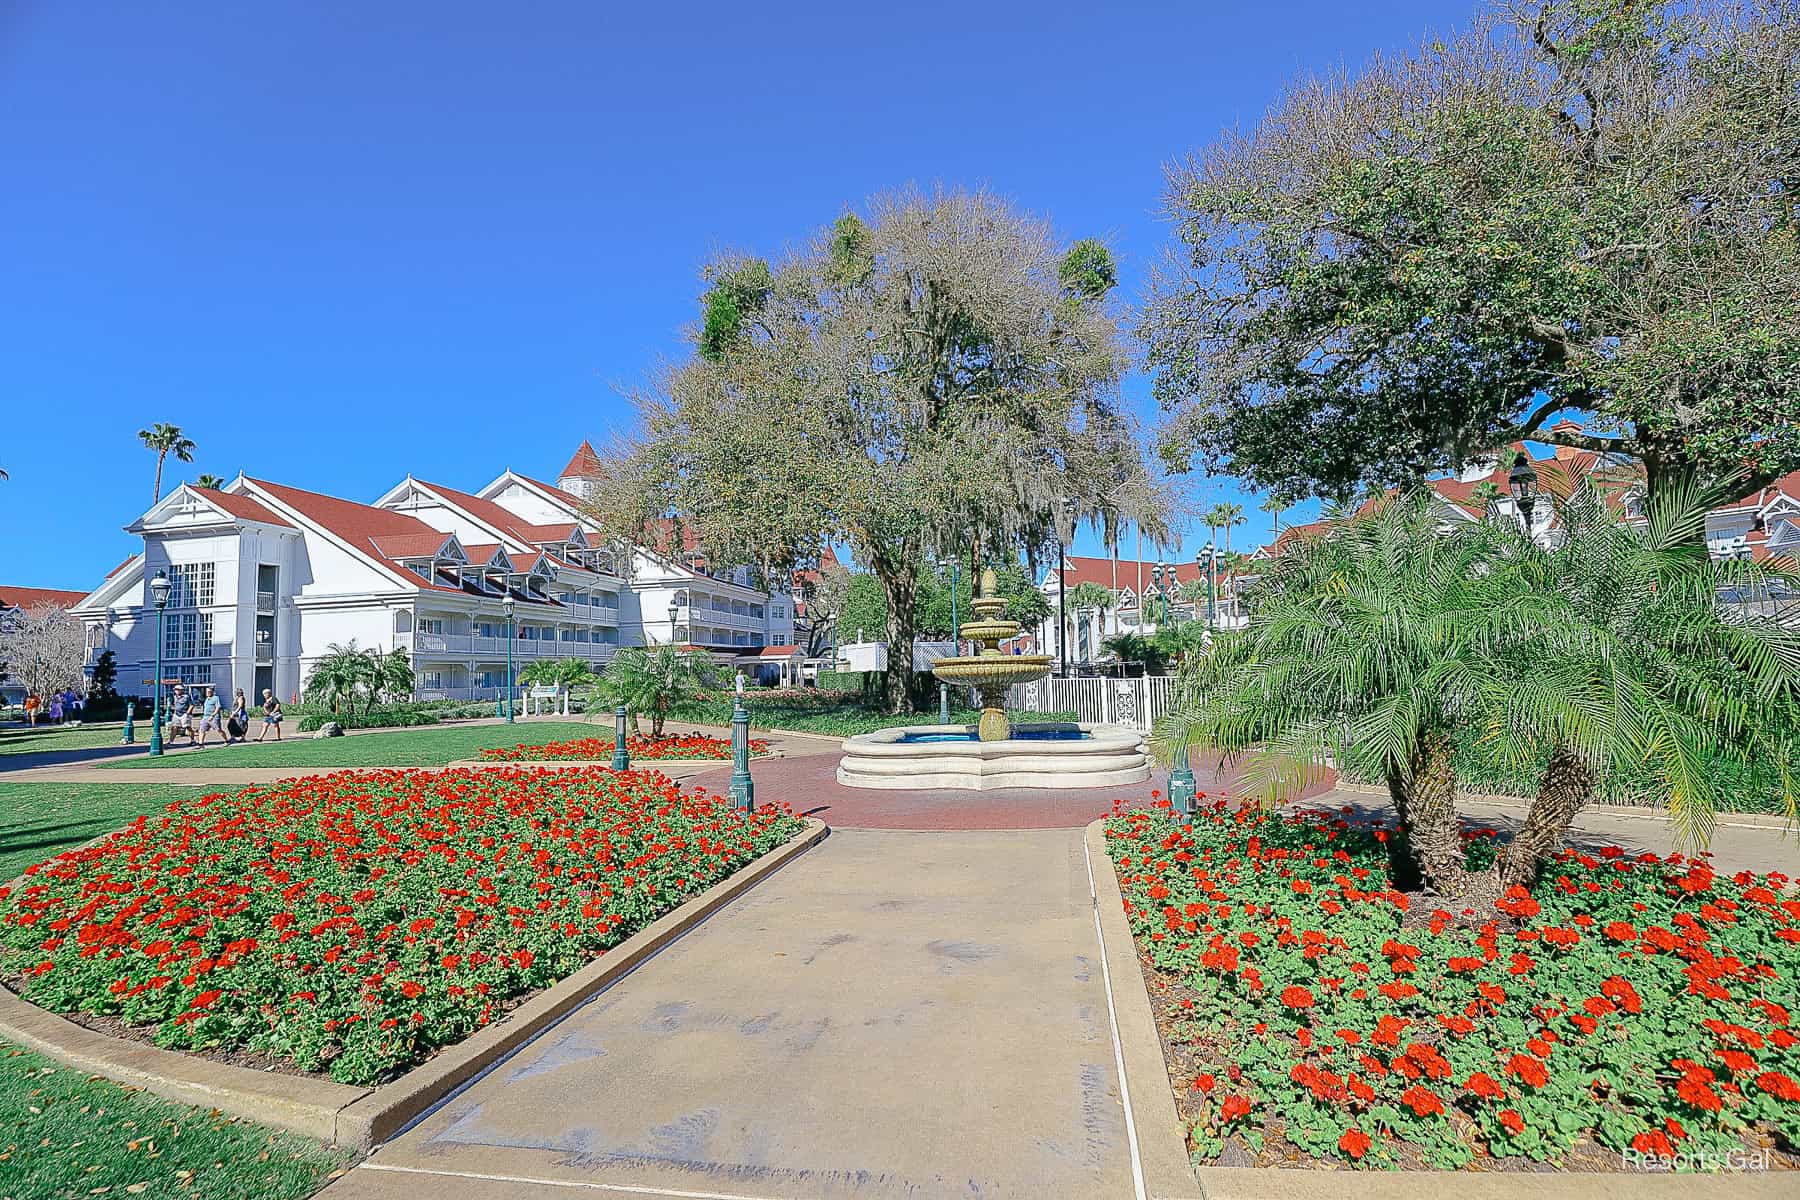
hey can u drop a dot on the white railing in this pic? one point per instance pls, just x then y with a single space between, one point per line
457 645
1135 703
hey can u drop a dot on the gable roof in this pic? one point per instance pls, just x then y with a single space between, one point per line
497 516
247 507
359 526
584 464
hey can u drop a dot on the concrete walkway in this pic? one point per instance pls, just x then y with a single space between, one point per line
895 1015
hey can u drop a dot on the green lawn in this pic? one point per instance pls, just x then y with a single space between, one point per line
40 819
427 746
64 1133
22 740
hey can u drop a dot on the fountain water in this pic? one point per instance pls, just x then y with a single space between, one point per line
994 753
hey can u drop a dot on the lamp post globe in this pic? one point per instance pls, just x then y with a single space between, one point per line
507 607
160 587
1522 483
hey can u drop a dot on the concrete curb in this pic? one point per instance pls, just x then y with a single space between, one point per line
360 1117
1162 1142
1630 811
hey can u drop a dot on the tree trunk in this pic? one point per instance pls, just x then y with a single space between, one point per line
657 716
899 580
1430 816
159 465
1567 785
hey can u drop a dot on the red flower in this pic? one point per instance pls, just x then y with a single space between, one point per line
1295 996
1485 1086
1698 1094
1354 1142
1423 1101
1527 1070
205 999
1512 1121
1233 1107
1652 1141
1780 1086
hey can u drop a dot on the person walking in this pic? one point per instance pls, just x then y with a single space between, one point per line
209 717
237 724
32 704
271 710
181 711
56 713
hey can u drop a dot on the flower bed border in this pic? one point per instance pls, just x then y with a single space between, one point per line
1168 1174
363 1117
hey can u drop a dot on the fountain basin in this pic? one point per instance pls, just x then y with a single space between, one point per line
1054 754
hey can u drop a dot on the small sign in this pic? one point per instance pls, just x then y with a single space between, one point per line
549 692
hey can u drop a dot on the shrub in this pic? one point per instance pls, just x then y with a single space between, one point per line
693 745
355 922
381 716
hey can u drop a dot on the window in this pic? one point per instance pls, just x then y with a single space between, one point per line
490 629
568 635
192 673
187 635
191 585
431 625
491 677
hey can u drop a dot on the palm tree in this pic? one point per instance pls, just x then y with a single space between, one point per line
1088 596
393 677
652 680
342 674
1224 515
566 673
1484 494
1648 671
1369 652
166 439
1274 506
211 483
1135 647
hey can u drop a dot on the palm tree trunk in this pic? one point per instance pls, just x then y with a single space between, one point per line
1567 785
1427 807
160 455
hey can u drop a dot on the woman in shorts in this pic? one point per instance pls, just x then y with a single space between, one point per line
271 715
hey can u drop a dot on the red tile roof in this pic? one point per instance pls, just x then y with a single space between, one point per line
1788 485
358 524
410 545
778 651
585 464
33 597
501 518
1083 569
247 507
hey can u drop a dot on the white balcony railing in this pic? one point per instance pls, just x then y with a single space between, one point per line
265 602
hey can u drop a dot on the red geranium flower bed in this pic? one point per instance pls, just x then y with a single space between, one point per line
691 745
1640 1004
354 922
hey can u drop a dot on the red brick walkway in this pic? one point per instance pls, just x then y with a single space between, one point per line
810 785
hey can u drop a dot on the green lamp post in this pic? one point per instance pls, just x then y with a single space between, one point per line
1183 790
159 596
742 792
508 608
621 756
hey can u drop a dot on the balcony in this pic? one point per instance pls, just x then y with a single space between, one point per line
265 653
493 649
265 602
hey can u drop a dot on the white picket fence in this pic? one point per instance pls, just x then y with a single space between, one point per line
1133 703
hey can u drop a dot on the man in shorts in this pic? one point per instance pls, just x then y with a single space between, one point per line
212 716
181 709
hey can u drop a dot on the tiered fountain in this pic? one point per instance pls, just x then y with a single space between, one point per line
994 753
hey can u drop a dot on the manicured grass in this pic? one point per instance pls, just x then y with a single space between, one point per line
25 740
41 819
430 746
64 1133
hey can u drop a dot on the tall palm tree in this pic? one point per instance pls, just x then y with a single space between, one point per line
1088 596
652 680
1274 506
211 483
1224 515
166 439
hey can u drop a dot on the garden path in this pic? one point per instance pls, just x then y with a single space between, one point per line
896 1014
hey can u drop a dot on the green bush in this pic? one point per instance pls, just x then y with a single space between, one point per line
844 681
382 716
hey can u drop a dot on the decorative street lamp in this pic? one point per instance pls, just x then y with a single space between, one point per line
674 616
1182 787
621 756
742 791
160 587
1062 586
507 607
1522 482
1208 561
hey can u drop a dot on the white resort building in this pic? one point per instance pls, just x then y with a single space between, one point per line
267 576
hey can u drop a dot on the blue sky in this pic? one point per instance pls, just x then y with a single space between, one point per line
338 243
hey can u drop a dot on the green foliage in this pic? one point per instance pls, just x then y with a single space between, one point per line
831 713
311 716
860 682
1581 208
1136 648
1089 595
866 605
739 291
106 676
865 610
850 253
566 673
1087 271
652 681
